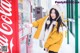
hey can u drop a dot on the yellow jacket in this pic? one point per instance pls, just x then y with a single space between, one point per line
54 40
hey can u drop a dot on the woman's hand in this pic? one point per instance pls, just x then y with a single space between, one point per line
28 25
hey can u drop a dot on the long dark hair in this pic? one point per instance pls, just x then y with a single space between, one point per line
58 17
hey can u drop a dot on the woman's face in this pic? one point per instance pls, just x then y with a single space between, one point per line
53 15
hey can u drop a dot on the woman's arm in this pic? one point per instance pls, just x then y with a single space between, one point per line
36 23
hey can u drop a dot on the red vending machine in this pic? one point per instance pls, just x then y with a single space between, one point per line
9 29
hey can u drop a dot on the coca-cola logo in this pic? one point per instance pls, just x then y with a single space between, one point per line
5 28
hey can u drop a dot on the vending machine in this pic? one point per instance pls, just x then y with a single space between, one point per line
24 12
9 29
15 36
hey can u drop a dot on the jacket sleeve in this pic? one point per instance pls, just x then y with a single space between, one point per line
53 39
36 23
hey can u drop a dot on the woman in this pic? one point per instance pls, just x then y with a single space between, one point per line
48 31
